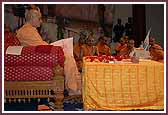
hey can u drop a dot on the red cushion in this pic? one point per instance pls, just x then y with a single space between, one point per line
34 63
29 57
43 49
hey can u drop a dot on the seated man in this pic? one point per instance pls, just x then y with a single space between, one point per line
129 50
76 51
122 44
156 51
102 46
29 36
89 49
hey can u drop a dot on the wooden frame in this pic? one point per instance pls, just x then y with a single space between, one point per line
38 89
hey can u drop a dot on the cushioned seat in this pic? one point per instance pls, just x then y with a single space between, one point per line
37 68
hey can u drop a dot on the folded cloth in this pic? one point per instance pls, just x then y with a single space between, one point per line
43 48
14 50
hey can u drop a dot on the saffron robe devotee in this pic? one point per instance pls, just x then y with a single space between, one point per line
122 44
156 51
29 36
102 46
129 50
77 48
76 51
89 49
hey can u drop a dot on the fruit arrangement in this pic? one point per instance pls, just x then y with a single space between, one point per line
103 58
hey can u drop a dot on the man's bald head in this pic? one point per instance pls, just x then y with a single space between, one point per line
32 13
34 17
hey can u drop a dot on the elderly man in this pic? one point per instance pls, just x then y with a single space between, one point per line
156 51
28 35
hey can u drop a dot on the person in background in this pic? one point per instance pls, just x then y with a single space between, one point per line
118 30
155 50
129 27
122 44
77 50
128 51
9 17
29 36
102 46
49 30
98 34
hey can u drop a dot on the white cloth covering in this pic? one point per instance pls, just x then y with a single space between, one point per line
66 44
14 50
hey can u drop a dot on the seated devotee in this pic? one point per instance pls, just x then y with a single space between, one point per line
102 46
29 36
76 51
77 47
122 44
156 51
89 49
128 51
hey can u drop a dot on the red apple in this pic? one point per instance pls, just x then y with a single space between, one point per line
118 58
